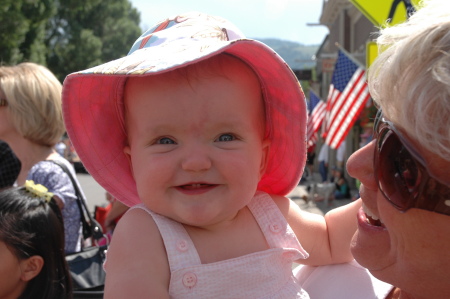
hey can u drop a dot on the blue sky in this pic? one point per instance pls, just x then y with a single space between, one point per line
283 19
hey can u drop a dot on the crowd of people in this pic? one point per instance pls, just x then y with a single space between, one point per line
197 137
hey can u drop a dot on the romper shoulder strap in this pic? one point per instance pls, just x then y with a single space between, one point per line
273 224
180 249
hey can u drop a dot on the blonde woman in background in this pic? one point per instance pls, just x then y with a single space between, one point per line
31 123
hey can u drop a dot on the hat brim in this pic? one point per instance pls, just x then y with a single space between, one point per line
93 114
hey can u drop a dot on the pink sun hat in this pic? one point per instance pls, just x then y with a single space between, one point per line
93 106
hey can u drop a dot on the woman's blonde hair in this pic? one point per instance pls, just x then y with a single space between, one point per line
33 96
410 79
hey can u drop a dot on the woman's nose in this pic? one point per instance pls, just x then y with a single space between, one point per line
196 159
360 166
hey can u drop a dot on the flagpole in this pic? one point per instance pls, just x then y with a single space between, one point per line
350 56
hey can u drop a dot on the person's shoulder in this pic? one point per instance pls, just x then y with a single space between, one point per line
58 159
288 208
282 202
137 226
137 216
136 254
51 176
45 168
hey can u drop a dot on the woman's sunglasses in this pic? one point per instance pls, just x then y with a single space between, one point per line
402 174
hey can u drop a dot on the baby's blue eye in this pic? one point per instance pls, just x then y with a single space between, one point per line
226 137
165 140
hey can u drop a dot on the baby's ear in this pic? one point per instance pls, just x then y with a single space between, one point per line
127 152
264 157
31 267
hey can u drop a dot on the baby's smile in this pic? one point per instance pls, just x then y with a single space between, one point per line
195 188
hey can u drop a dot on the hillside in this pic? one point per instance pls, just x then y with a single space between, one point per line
298 56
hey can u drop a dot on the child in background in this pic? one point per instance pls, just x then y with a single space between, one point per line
342 189
197 129
32 255
109 216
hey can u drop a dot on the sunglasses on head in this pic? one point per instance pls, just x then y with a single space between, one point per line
402 174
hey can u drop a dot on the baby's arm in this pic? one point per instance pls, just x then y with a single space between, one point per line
341 226
136 265
326 239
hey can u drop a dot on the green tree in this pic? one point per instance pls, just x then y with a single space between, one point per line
85 33
66 35
22 30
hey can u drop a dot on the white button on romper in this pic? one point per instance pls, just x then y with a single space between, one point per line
264 274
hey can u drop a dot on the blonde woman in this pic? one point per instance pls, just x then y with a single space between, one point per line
31 123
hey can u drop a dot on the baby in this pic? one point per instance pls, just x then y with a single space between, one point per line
202 132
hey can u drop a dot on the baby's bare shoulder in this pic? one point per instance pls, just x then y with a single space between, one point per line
137 265
286 206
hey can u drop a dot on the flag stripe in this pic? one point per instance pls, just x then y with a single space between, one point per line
349 93
318 116
346 101
315 120
318 108
341 132
347 96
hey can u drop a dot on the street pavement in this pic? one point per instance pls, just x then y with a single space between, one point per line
310 190
95 195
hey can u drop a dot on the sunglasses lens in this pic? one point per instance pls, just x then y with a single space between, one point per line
398 175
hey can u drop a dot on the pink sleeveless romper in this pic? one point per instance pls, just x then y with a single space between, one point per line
264 274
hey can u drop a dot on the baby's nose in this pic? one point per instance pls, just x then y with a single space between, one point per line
196 159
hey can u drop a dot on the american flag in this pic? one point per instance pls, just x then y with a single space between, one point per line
347 96
317 113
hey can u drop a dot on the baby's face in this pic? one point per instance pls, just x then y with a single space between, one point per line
196 146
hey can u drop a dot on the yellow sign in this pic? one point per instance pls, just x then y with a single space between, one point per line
386 12
371 53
